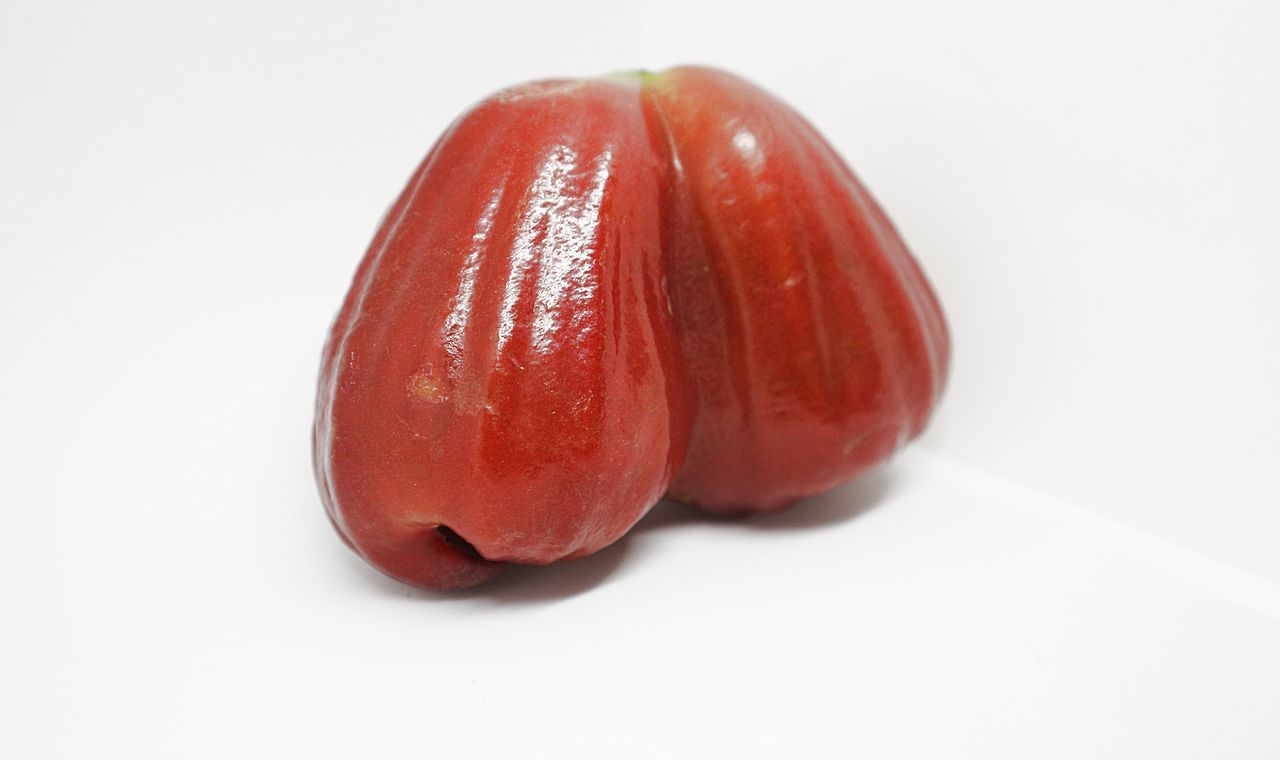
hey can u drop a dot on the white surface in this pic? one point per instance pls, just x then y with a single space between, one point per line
1078 561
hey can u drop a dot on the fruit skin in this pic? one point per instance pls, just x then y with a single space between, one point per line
592 293
814 342
503 365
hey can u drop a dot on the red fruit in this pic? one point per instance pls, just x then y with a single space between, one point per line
503 371
814 342
585 280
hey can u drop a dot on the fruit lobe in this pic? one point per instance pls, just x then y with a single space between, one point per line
814 343
503 363
592 293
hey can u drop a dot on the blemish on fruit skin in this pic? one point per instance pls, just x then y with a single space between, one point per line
549 88
422 384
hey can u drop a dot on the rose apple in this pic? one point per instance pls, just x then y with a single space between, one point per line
810 335
593 293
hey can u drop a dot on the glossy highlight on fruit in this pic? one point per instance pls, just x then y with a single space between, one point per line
594 293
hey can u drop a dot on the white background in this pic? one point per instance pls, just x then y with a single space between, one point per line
1081 558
